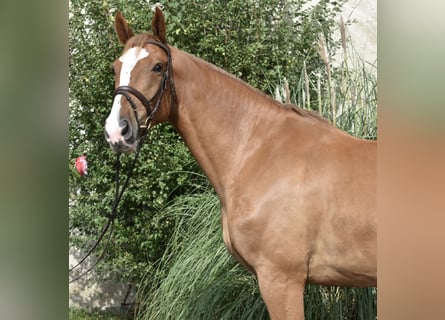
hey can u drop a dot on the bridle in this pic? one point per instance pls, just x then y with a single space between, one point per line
127 91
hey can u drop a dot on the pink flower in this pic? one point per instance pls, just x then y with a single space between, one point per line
81 165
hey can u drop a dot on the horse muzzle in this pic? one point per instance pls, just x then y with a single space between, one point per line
121 135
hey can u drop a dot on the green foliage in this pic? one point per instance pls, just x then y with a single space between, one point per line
256 41
77 314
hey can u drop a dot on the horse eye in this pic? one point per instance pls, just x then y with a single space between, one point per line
157 68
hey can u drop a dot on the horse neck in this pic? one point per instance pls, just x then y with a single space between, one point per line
218 117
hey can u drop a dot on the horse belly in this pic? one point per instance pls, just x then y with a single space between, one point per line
270 237
345 257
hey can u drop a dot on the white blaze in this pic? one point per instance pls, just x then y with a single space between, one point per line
129 61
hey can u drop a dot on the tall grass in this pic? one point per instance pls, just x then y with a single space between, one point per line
198 279
345 92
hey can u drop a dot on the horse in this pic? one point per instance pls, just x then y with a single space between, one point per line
297 194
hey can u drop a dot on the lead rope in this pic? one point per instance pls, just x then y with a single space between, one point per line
112 215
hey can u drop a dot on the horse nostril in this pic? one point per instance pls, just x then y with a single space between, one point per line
107 136
126 131
125 127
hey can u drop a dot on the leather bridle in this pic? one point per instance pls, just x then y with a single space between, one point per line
127 91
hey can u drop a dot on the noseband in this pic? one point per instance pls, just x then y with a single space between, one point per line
127 91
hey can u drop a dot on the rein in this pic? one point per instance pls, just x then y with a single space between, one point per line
111 216
151 113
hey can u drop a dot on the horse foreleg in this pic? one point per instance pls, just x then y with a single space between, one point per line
283 294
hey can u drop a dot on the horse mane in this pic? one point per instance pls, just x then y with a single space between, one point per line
141 39
304 112
291 107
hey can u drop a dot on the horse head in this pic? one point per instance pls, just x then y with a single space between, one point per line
143 74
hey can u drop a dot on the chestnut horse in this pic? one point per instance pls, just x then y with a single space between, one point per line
298 196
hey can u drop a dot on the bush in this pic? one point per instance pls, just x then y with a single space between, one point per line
77 314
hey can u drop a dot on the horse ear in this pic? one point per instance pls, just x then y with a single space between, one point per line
158 26
122 29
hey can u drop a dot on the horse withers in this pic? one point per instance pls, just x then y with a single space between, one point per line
298 196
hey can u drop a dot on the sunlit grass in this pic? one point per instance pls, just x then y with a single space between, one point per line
78 314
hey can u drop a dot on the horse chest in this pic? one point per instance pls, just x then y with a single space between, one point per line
229 236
